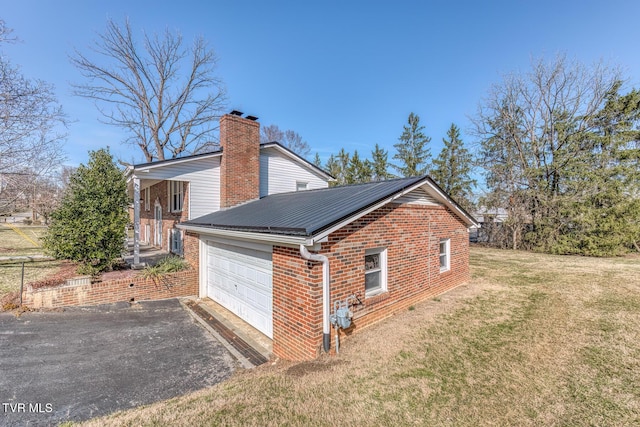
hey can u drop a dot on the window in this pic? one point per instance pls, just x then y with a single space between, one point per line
375 271
175 196
301 185
176 241
147 203
445 254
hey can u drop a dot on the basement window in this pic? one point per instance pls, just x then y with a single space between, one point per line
176 241
445 255
375 271
175 196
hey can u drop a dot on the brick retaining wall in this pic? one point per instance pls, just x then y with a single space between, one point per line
180 284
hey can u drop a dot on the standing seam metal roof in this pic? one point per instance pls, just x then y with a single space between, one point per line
303 213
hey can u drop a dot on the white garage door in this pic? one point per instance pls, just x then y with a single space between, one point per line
239 279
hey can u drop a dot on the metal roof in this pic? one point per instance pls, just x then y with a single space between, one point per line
304 213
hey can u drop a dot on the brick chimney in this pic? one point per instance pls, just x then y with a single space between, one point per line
240 164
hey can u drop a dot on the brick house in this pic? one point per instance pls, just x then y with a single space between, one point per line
274 244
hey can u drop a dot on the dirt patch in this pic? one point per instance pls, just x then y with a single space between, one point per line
66 271
118 274
10 301
314 366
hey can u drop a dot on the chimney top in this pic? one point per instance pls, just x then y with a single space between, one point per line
252 118
236 113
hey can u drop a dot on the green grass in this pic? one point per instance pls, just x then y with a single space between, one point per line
535 340
13 244
11 274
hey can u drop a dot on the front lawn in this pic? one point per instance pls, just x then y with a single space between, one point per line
533 340
16 241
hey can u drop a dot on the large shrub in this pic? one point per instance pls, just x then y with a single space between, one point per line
89 226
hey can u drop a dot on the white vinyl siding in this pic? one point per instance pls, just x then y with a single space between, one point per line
280 174
203 176
418 197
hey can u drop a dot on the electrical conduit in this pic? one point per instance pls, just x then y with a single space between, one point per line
326 280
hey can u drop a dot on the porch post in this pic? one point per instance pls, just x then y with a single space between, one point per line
136 220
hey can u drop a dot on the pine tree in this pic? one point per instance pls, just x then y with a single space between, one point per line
317 161
452 168
89 226
333 167
412 150
380 164
358 171
603 209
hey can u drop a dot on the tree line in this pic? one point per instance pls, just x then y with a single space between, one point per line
558 145
560 149
452 169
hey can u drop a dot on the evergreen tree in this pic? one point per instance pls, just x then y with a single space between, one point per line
602 214
333 167
340 167
567 175
380 164
317 161
412 150
89 226
358 171
452 169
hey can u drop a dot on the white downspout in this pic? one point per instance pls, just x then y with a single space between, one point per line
326 280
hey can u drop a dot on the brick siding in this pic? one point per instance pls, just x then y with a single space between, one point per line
159 193
411 235
240 163
180 284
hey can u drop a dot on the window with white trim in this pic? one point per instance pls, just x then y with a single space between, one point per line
176 241
445 255
147 202
301 185
375 271
175 196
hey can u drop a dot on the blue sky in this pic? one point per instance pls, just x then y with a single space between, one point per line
341 74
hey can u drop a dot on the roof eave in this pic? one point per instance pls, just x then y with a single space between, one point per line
247 235
143 167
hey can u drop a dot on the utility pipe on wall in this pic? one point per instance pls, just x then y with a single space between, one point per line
326 280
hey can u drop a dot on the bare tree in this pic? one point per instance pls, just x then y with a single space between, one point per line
166 97
289 138
271 133
539 136
31 124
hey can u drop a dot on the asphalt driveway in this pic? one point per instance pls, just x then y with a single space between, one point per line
91 361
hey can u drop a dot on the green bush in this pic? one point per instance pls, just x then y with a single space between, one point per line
89 226
170 264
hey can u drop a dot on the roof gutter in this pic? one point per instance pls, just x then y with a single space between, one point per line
326 280
247 235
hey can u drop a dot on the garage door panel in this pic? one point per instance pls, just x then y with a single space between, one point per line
240 279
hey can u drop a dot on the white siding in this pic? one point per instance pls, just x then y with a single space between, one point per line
279 173
418 197
203 176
